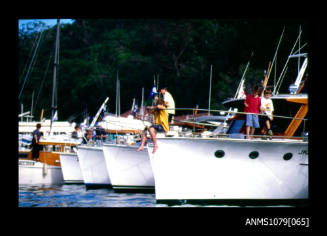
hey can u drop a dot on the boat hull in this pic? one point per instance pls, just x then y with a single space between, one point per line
93 167
71 169
129 169
32 172
229 169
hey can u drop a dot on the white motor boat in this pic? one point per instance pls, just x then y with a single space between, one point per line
71 169
32 172
93 166
219 169
48 169
129 170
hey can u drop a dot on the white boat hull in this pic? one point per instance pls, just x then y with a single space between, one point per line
71 169
129 169
93 167
32 172
193 169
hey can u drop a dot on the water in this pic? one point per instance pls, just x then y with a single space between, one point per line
77 195
74 195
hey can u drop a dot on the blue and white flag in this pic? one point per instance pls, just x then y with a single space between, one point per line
134 110
153 92
103 113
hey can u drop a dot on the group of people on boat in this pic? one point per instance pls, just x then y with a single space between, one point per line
98 134
254 104
164 110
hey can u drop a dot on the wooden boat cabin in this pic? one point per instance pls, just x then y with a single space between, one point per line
50 153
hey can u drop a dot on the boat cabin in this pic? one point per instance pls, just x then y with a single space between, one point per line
50 153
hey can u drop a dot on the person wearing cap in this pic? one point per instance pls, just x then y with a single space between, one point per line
169 101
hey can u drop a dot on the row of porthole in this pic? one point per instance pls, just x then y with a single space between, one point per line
253 155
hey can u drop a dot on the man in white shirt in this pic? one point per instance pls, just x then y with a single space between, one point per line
268 109
170 103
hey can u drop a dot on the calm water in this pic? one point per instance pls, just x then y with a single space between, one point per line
76 195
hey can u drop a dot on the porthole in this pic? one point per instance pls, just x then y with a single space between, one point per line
254 154
219 153
287 156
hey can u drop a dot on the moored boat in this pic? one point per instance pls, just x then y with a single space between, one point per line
232 169
129 170
48 169
71 169
93 166
32 172
209 169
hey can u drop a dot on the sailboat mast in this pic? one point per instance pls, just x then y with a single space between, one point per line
55 70
142 101
117 96
32 105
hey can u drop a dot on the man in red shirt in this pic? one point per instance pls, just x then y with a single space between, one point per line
252 105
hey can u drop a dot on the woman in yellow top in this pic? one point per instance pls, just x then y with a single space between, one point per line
161 124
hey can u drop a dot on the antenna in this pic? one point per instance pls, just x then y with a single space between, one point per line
280 77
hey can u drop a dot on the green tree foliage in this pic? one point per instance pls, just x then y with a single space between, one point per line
180 51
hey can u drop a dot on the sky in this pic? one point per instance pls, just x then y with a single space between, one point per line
48 22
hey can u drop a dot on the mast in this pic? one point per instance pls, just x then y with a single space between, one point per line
210 89
55 70
31 116
142 101
117 96
133 104
21 111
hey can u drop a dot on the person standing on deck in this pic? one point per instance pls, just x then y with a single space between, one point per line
35 142
170 103
268 108
252 105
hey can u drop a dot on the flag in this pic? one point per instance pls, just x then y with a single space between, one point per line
103 113
153 92
134 110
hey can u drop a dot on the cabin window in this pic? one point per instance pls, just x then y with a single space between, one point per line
219 153
287 156
254 154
